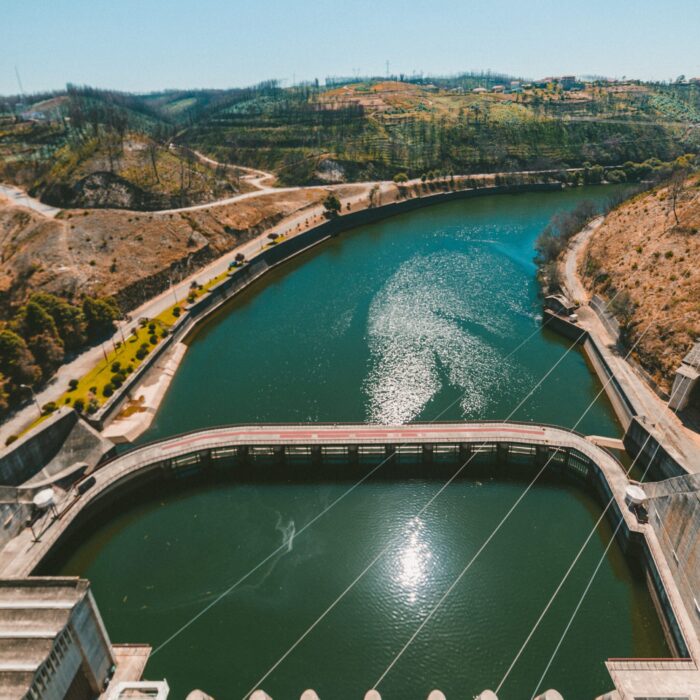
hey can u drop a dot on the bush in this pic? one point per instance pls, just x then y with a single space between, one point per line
400 177
616 176
141 353
331 206
11 439
79 405
153 339
107 389
116 366
49 407
177 311
92 406
72 385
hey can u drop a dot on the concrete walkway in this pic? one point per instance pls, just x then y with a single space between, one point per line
670 431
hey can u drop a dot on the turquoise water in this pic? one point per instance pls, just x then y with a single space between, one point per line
412 318
409 319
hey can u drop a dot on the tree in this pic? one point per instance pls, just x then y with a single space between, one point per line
16 361
69 319
676 190
100 315
331 206
48 352
400 177
33 320
4 396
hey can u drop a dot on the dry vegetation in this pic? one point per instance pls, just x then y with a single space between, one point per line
653 261
130 255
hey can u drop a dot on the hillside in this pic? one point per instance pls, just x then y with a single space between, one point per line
374 129
128 255
648 262
85 147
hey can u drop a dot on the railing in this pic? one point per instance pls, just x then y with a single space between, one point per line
648 664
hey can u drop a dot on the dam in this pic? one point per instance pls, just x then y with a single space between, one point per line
437 451
415 318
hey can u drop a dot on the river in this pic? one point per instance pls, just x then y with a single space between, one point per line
413 318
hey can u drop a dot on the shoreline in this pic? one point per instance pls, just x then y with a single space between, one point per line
129 428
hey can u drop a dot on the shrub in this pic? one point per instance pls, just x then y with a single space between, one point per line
400 177
153 339
79 405
11 439
177 311
107 389
92 406
72 385
116 366
616 176
141 353
49 407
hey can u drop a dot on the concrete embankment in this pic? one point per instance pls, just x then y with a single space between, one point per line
142 407
640 438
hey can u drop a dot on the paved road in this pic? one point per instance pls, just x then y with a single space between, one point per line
685 442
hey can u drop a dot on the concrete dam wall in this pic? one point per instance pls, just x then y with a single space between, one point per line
674 513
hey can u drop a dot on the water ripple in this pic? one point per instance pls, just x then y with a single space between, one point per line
439 317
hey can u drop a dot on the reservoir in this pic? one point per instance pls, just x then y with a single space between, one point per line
413 318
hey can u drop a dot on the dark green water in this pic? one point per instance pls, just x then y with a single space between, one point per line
406 319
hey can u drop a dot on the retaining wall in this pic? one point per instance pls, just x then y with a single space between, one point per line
639 440
674 513
61 440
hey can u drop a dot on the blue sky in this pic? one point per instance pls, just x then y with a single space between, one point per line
141 45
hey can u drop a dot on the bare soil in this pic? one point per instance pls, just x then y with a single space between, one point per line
641 250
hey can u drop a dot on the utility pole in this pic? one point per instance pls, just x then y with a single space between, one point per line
19 82
27 386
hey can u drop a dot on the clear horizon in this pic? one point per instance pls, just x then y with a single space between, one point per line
141 46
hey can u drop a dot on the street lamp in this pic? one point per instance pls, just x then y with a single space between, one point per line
27 386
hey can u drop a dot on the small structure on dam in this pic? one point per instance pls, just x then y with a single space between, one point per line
686 380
